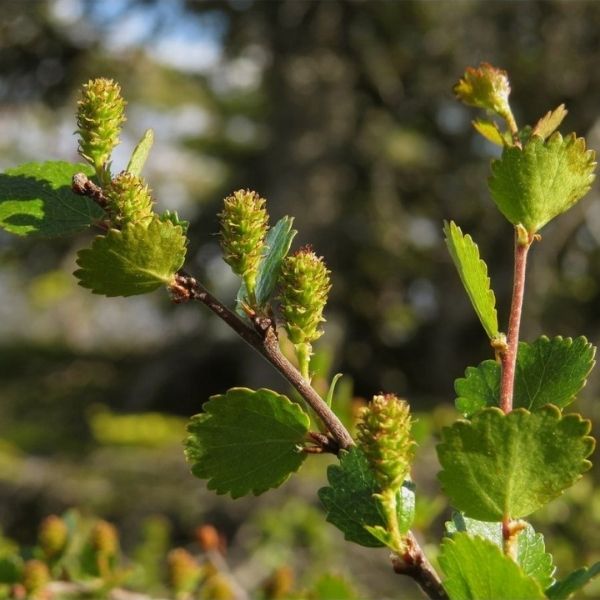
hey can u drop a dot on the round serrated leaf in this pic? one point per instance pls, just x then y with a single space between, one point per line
498 465
475 567
534 184
135 260
36 198
246 441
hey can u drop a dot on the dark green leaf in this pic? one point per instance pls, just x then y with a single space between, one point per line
36 198
135 260
140 153
474 276
573 582
246 441
531 553
534 184
477 569
350 503
501 465
479 388
11 567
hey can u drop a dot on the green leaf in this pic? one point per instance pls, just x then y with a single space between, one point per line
473 273
549 371
350 503
11 569
531 552
490 132
246 441
36 198
277 245
501 465
534 184
135 260
550 122
476 569
566 587
140 153
332 587
173 217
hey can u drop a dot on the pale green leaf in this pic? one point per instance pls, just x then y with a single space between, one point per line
473 273
498 465
573 582
550 122
476 569
332 587
140 153
135 260
490 132
531 553
246 441
36 198
534 184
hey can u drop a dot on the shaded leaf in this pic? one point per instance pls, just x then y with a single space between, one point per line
501 465
246 441
473 273
135 260
534 184
140 153
350 503
475 568
480 387
531 553
573 582
36 198
550 122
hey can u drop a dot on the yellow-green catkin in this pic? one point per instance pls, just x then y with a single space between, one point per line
36 576
129 200
100 115
244 223
53 536
304 285
104 542
183 572
384 435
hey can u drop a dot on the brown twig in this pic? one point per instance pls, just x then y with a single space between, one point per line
263 337
413 563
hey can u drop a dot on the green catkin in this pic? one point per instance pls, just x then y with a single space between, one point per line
129 199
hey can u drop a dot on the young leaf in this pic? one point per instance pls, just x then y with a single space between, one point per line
474 275
140 153
534 184
490 132
36 198
573 582
476 568
501 465
246 441
480 387
350 503
531 553
135 260
332 587
549 371
550 122
277 245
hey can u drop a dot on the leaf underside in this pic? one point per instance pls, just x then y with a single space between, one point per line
36 198
246 441
498 465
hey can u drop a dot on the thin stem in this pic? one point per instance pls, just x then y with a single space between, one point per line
508 358
414 564
263 338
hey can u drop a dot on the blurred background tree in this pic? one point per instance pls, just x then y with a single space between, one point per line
341 114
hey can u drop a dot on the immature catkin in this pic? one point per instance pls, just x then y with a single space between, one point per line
104 539
384 435
53 536
36 577
244 223
129 199
183 571
100 115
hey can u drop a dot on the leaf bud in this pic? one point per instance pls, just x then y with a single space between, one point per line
384 434
100 115
304 287
36 577
183 571
129 199
53 536
244 224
